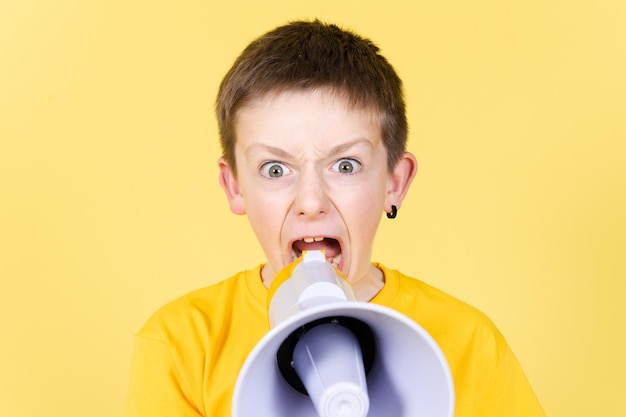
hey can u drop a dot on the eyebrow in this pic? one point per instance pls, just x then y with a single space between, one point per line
259 147
281 153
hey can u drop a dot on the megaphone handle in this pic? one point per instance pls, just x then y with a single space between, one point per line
361 330
329 362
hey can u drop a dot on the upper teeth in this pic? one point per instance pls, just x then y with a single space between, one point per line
313 239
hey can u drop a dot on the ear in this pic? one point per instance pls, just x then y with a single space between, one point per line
400 180
230 185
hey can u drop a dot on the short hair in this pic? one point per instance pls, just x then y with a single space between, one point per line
307 55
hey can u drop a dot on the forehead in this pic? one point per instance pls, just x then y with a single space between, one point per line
316 110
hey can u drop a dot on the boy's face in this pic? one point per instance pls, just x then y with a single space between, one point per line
312 174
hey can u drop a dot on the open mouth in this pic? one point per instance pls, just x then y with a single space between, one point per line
330 246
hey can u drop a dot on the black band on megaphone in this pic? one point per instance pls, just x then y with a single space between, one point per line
361 330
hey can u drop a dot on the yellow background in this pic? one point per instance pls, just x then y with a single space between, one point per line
110 205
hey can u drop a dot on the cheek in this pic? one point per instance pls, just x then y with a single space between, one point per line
364 210
260 214
265 218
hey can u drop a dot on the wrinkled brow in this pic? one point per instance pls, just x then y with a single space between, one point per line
281 153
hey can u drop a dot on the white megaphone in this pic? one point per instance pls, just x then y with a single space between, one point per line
328 355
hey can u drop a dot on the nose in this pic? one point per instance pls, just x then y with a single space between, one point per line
311 198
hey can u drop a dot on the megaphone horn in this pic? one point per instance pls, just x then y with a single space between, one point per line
328 355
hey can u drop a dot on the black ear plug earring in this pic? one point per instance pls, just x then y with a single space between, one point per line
394 212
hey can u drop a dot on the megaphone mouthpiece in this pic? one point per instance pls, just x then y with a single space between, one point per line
310 281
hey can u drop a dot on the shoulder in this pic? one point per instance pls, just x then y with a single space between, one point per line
417 296
207 308
453 323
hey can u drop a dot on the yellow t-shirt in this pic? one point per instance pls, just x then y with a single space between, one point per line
188 355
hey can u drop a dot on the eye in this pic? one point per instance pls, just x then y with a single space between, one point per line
274 169
347 166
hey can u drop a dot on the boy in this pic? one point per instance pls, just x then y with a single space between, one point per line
313 130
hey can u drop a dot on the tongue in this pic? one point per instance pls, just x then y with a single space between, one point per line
330 246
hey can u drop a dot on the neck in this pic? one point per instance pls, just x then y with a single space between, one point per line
366 288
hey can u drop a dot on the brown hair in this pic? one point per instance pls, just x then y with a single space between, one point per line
305 55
